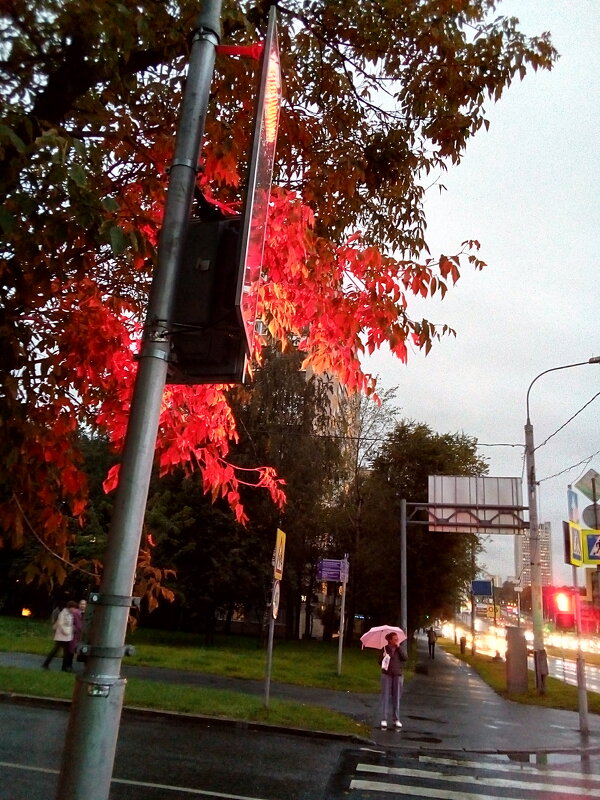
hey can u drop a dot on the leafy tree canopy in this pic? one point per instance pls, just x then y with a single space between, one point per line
379 98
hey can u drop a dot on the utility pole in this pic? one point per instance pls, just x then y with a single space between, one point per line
91 739
403 571
537 614
582 700
541 665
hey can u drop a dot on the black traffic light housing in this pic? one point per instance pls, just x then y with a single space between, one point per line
208 342
212 323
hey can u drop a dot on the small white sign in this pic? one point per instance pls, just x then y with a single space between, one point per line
275 599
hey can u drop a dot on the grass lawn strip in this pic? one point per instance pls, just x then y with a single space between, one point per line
190 700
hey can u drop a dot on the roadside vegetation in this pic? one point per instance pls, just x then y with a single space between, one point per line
304 663
189 700
301 663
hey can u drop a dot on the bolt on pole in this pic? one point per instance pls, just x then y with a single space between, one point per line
91 739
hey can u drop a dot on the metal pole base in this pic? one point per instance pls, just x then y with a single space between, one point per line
91 739
584 725
540 660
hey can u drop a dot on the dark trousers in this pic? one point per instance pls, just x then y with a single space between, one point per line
67 655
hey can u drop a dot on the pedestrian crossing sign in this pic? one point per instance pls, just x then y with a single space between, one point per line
279 555
591 546
573 544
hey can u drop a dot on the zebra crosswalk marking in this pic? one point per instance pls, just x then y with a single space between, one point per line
483 782
500 783
526 769
421 791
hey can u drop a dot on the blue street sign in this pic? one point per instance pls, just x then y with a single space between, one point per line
482 588
332 569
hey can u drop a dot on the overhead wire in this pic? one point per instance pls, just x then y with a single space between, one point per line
584 461
583 407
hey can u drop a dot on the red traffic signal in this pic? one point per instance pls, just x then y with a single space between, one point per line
564 620
562 601
564 617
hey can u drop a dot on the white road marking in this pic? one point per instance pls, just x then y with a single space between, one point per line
145 784
527 769
471 779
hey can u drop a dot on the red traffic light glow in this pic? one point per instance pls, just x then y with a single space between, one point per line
563 602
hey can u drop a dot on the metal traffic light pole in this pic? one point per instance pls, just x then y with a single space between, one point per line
582 701
539 653
92 733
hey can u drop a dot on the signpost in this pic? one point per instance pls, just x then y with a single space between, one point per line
573 544
589 485
332 569
336 570
482 588
582 547
344 580
278 556
275 599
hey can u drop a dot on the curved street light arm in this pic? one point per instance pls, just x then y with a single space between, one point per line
595 360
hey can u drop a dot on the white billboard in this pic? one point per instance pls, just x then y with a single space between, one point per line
475 504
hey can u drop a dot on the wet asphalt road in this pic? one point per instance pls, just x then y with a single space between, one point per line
171 758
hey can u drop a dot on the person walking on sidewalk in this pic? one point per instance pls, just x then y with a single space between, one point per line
392 661
63 634
431 640
78 615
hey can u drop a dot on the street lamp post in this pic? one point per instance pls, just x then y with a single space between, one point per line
534 537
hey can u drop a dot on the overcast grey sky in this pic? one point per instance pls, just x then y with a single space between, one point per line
528 190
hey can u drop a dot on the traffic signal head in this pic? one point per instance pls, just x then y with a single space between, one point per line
563 602
564 617
565 621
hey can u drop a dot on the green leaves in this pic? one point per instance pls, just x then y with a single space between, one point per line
118 240
7 134
7 221
110 204
77 175
373 103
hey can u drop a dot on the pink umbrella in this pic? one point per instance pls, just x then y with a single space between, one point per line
375 637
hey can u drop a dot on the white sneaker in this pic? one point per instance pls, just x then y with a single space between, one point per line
398 724
383 723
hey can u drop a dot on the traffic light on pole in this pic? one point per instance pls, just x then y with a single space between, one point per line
565 615
214 317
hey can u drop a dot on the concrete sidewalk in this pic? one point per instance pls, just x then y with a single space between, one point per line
451 708
447 706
